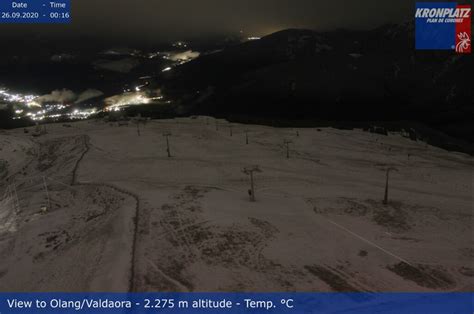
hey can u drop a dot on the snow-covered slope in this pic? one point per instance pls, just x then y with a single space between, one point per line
319 223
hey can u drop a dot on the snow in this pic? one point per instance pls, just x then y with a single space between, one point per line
14 151
318 223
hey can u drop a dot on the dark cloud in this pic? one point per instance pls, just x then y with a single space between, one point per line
166 19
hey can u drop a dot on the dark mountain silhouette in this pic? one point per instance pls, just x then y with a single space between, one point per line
342 75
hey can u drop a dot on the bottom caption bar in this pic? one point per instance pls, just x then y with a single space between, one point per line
399 303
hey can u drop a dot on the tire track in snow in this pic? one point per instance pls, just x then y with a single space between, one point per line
75 181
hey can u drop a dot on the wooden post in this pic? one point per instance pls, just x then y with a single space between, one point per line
17 200
168 150
252 188
287 143
385 200
47 192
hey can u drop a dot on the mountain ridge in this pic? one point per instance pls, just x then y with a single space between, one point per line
339 75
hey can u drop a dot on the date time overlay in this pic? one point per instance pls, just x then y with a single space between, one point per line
35 12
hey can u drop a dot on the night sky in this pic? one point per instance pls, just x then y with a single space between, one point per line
150 20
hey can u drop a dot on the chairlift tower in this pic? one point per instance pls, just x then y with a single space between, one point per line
250 172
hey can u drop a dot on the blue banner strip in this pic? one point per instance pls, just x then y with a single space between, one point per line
35 11
295 303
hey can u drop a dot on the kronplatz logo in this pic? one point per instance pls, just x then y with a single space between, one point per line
443 26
